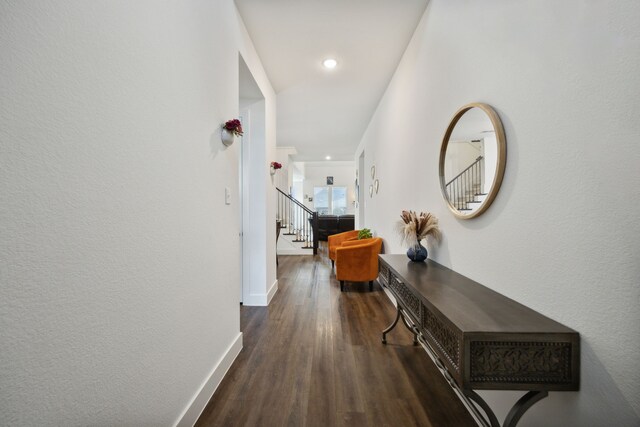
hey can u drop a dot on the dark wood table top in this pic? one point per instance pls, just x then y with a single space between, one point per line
470 306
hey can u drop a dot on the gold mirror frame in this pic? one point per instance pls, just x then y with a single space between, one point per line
501 158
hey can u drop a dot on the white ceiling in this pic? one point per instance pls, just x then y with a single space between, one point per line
325 112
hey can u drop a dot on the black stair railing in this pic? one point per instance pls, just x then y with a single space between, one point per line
465 186
297 220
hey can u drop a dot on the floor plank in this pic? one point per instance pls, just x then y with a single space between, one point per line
314 357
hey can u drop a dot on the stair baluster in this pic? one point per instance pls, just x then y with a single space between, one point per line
296 217
467 185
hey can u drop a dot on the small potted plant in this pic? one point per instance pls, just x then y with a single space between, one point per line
231 129
275 166
414 228
365 233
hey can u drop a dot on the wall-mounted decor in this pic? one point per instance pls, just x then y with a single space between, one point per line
230 129
376 185
373 171
473 156
329 180
371 190
274 167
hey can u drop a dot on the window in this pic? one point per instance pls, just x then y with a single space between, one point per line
339 200
321 200
330 200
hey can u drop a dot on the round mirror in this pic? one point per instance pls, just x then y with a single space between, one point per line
472 160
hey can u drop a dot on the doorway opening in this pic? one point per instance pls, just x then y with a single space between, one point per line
252 114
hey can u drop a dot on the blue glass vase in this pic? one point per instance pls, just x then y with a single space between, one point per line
417 253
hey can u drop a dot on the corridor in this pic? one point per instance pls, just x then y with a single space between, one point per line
313 357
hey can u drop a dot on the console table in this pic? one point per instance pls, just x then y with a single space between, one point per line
480 339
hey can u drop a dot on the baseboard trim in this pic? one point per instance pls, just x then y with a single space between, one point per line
295 251
272 291
192 412
261 300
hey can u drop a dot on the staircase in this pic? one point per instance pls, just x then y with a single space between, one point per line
465 191
298 226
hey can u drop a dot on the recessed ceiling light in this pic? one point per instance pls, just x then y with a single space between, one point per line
330 63
328 157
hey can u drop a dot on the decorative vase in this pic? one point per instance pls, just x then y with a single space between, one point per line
417 253
227 137
273 170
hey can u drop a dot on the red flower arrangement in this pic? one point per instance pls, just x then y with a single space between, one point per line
276 165
234 126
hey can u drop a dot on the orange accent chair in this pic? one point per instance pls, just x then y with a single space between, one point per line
336 240
357 261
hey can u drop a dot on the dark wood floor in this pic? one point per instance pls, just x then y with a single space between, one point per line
313 357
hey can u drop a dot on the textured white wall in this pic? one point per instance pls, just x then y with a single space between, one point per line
118 257
562 235
283 178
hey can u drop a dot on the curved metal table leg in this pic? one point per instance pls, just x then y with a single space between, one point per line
400 315
522 405
517 411
475 397
391 326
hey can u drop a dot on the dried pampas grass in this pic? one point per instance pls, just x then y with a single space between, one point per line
413 228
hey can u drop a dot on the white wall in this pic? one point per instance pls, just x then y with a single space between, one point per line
343 173
283 178
490 145
360 211
562 235
119 261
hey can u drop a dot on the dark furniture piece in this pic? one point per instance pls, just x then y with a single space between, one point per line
346 223
479 338
327 225
334 224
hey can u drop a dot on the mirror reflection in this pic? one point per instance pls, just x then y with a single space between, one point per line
472 160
